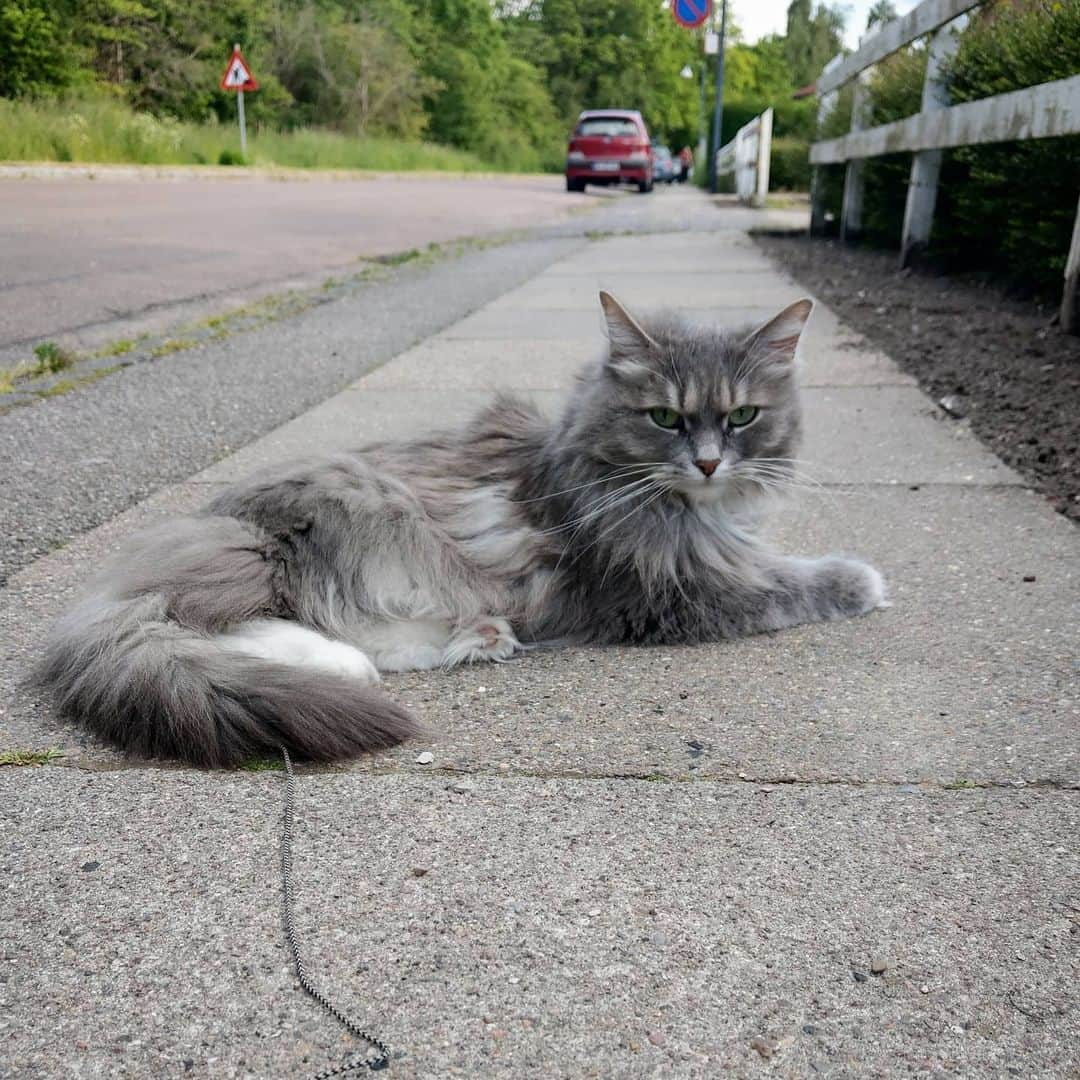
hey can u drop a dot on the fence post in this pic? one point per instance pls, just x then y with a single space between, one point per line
926 164
764 156
851 212
1070 300
826 104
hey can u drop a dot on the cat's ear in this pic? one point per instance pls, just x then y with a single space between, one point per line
627 338
779 337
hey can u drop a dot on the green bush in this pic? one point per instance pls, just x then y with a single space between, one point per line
1005 208
796 118
789 169
1009 208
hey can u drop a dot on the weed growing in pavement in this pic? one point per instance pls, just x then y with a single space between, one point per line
10 376
65 386
30 757
115 348
171 345
51 358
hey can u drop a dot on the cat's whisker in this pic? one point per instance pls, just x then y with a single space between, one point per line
608 509
605 501
622 473
649 498
603 505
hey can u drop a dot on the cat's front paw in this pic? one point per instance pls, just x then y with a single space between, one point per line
850 587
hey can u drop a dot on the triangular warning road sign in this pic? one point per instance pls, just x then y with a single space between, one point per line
238 75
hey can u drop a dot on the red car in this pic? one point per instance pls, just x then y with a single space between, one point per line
609 146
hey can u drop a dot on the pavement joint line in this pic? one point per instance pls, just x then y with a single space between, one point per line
312 772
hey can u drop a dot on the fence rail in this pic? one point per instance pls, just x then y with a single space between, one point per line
748 156
1037 112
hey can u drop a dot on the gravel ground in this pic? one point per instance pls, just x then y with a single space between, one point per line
996 362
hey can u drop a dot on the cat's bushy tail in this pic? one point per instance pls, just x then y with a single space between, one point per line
138 661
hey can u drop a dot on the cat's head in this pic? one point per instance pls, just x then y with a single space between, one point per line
709 413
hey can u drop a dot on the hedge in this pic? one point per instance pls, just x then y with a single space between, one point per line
1006 209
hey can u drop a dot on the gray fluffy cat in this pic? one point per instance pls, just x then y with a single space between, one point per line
265 619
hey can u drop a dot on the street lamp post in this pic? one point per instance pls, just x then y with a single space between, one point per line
718 108
688 73
702 142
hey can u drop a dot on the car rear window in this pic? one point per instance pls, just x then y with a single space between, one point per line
606 125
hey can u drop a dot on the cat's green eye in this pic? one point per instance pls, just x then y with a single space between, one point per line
665 418
742 416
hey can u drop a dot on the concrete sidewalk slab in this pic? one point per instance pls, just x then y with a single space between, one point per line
521 364
831 355
576 324
641 293
520 927
486 365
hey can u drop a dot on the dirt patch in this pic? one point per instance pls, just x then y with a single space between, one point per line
999 362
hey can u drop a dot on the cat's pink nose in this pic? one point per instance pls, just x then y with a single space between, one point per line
708 466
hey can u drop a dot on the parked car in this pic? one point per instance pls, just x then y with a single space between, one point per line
663 165
609 146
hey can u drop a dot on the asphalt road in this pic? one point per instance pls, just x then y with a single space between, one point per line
79 254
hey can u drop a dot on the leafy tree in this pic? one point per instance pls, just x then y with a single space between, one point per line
814 36
600 54
35 55
882 12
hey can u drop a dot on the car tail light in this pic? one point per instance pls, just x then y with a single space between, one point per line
575 155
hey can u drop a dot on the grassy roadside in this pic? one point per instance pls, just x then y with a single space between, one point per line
55 370
101 131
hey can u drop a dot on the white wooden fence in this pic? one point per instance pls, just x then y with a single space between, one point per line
1038 112
748 156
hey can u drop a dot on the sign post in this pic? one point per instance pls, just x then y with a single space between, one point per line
238 78
691 14
718 108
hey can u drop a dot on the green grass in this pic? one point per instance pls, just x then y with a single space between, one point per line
262 765
29 757
92 130
8 378
170 346
116 348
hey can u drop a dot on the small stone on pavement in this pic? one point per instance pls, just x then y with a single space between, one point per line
763 1047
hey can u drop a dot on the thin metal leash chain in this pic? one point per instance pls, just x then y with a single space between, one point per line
383 1060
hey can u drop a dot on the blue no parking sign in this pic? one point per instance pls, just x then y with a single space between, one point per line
691 13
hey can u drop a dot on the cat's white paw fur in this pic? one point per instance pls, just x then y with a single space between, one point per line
488 639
